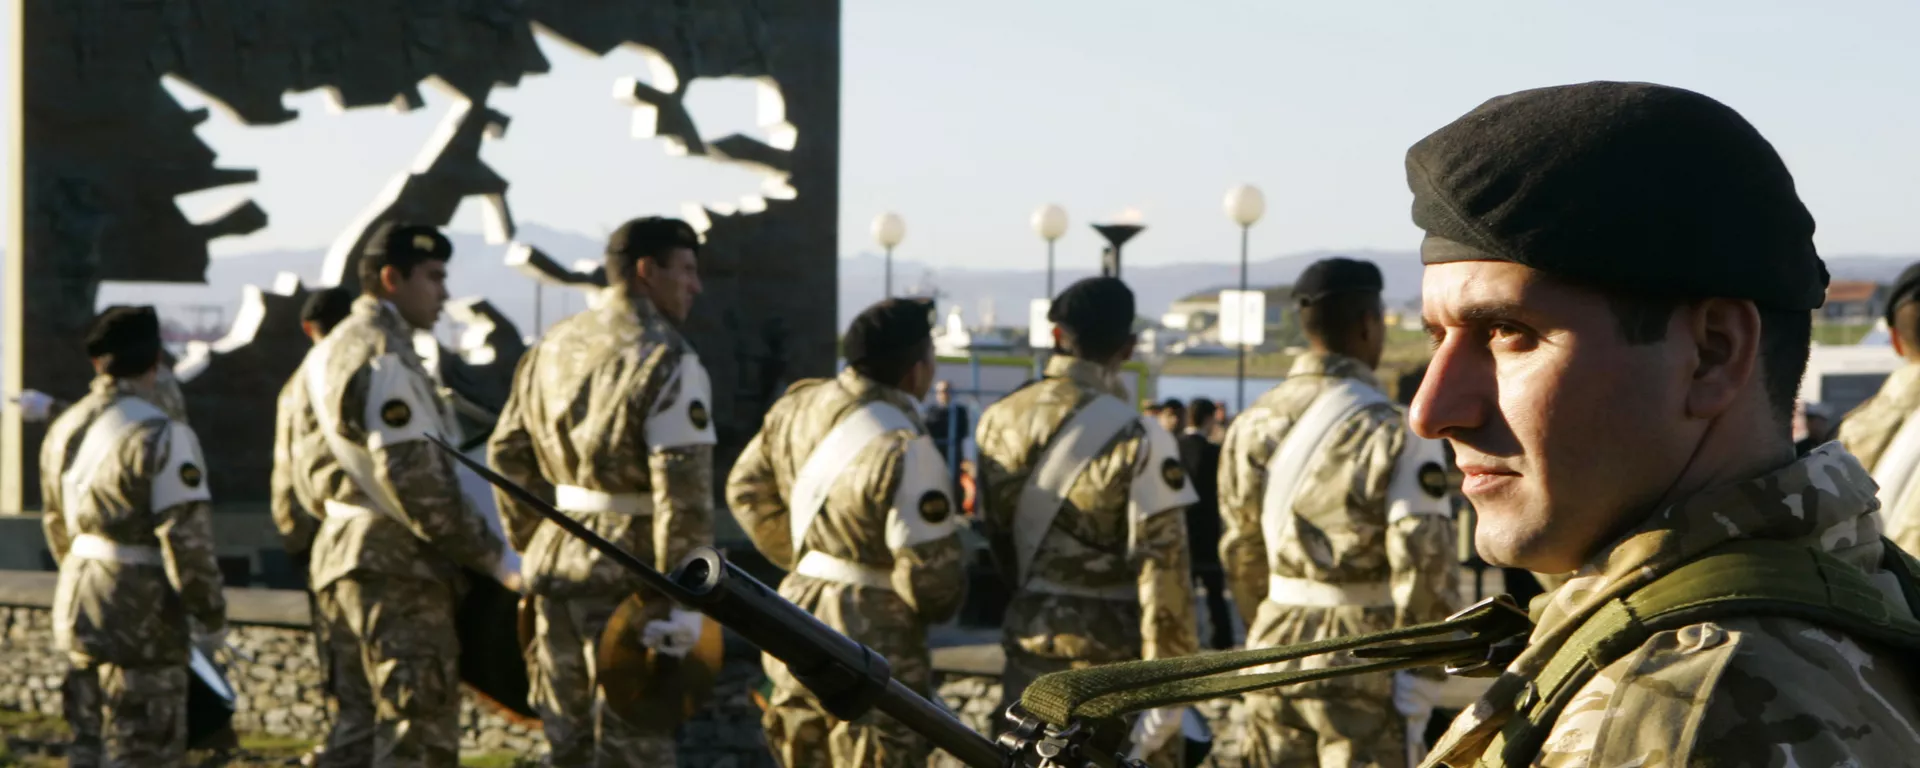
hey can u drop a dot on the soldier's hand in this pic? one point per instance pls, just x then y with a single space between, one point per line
675 636
35 406
210 642
1154 728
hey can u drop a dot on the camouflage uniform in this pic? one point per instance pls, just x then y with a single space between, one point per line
611 404
1765 691
1356 526
391 586
131 528
1109 582
350 740
887 521
1868 431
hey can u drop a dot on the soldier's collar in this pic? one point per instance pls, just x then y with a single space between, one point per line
1086 374
1332 364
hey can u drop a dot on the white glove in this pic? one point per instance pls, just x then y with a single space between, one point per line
677 635
1153 729
210 643
35 406
508 577
1414 697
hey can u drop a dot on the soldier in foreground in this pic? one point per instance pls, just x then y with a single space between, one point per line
1337 523
396 533
866 526
128 519
1618 288
1882 432
1088 529
609 418
350 739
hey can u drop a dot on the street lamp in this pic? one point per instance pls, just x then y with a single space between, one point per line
888 230
1050 222
1116 235
1245 205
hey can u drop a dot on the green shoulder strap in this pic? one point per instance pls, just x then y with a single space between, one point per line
1739 579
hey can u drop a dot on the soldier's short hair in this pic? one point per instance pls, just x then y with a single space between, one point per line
648 237
325 308
1202 411
127 338
1095 318
887 339
402 246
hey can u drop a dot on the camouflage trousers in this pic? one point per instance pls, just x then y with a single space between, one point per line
1023 668
349 743
402 631
124 716
1343 731
581 729
802 735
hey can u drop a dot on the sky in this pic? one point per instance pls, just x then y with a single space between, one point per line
964 117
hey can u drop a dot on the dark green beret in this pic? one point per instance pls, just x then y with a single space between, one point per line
1095 306
123 328
652 236
1632 186
402 243
888 331
1326 277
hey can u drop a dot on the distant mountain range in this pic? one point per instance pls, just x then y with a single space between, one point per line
479 271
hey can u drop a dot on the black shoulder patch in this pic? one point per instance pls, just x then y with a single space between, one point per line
190 475
697 411
396 413
1173 473
1433 479
934 507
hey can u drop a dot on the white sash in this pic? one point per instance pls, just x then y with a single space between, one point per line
103 436
1288 466
1074 447
1894 471
832 456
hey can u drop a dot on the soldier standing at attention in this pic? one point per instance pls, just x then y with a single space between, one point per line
388 559
1084 512
350 740
1882 432
1619 280
128 519
1337 523
609 417
866 525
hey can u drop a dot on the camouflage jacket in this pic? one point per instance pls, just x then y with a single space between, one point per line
147 489
1746 691
298 525
382 402
1095 541
914 543
1340 529
1868 430
612 400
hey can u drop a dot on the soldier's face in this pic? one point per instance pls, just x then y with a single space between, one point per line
420 295
1565 432
672 283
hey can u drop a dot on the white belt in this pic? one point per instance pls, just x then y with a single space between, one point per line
573 498
1126 593
821 565
1320 594
88 546
345 511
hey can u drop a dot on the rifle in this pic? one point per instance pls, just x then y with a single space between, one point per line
1066 719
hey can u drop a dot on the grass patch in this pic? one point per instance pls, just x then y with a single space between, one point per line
265 745
496 760
1839 335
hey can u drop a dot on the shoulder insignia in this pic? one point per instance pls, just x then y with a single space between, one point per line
423 242
1433 479
190 475
1173 473
697 412
396 413
934 507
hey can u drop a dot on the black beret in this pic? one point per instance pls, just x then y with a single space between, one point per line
1096 304
121 327
395 238
1904 289
1326 277
327 307
1629 186
888 330
652 235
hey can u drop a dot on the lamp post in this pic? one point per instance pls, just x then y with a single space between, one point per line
888 230
1116 235
1245 205
1050 222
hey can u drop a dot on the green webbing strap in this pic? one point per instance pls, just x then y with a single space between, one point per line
1116 689
1746 578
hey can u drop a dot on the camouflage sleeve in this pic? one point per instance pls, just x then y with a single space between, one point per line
1243 547
922 530
510 452
1409 474
1162 565
679 433
999 490
419 473
177 488
297 524
53 515
753 493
